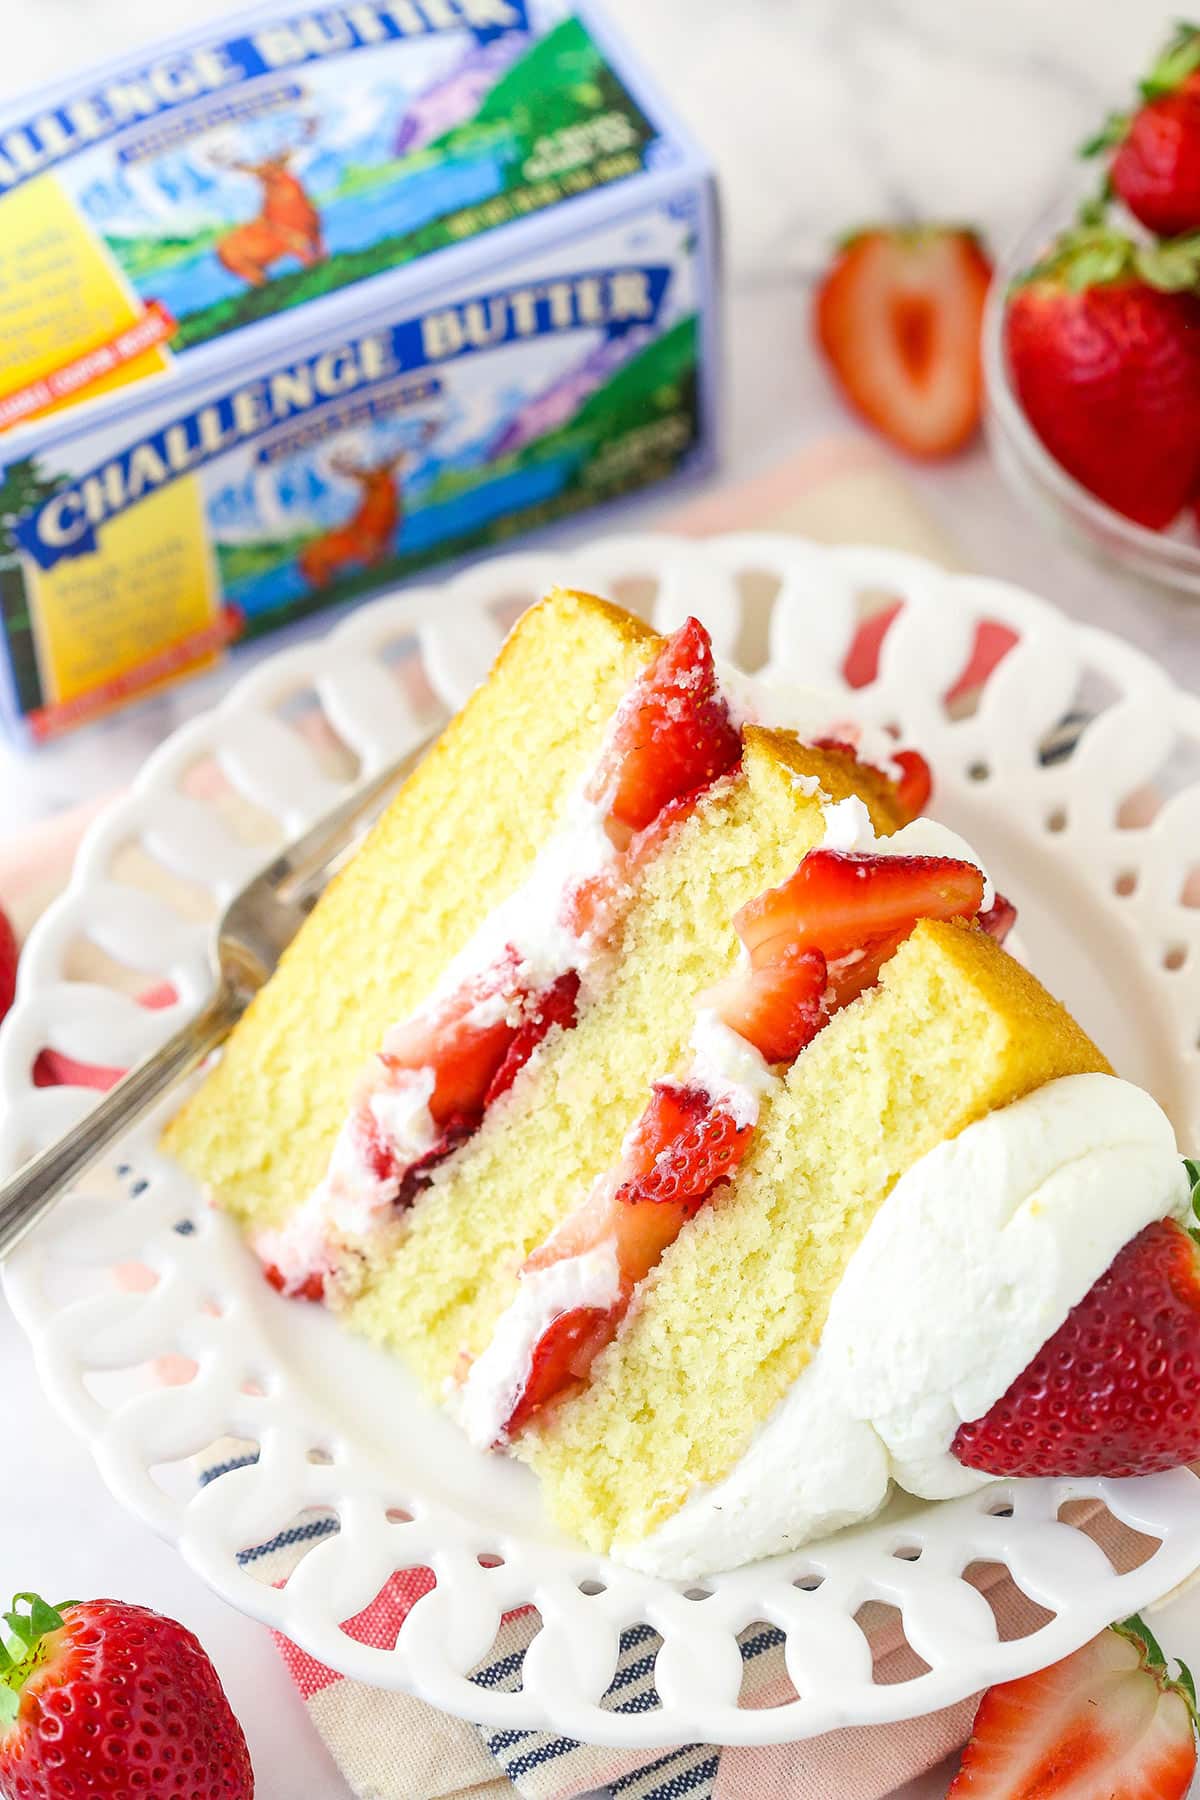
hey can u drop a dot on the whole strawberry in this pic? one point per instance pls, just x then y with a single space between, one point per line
1156 166
1106 1723
1102 340
1116 1390
107 1700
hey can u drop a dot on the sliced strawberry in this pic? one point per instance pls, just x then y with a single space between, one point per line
852 974
1105 1723
671 735
555 1007
415 1177
837 900
670 1114
464 1040
898 316
562 1356
8 963
1116 1390
465 1056
915 786
592 906
999 918
311 1288
684 1172
681 1148
779 1006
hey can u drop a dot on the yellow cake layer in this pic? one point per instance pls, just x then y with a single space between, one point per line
730 1317
437 1296
461 835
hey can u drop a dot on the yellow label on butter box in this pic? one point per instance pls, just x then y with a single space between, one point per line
65 308
149 601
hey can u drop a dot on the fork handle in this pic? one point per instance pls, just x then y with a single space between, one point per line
34 1189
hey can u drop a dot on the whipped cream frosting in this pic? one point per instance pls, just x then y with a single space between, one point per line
973 1261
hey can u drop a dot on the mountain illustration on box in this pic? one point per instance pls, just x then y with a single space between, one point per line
362 175
603 428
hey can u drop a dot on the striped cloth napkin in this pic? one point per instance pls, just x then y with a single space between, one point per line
393 1747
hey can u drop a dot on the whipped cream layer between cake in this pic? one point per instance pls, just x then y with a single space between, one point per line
352 1201
971 1264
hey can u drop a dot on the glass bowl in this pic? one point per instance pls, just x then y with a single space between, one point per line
1170 558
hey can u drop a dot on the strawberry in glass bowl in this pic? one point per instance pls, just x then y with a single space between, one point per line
1092 340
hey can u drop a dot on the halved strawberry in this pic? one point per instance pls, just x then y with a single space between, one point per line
1116 1390
476 1043
1105 1723
671 735
679 1150
838 900
898 315
779 1006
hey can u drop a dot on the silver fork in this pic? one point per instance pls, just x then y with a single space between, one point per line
250 937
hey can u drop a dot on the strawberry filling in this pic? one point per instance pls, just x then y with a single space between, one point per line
812 945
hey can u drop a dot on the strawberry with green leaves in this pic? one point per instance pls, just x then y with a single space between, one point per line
1102 339
1106 1723
1155 166
1116 1390
103 1700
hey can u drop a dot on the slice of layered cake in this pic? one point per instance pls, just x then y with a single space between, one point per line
659 1087
466 1026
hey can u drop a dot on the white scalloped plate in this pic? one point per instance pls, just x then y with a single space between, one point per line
1103 919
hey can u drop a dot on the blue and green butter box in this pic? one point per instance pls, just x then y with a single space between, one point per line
310 301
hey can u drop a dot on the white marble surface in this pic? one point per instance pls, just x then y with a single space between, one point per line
822 114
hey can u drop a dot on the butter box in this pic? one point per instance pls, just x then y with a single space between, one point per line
300 306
